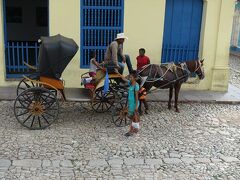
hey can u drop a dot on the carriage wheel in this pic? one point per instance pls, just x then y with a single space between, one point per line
103 102
26 84
120 114
36 108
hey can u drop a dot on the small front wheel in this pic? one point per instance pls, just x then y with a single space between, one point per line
120 114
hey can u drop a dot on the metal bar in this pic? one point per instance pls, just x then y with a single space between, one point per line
5 23
36 54
22 47
9 57
18 61
13 55
27 52
189 43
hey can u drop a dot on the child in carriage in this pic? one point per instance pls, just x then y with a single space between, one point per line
133 103
93 66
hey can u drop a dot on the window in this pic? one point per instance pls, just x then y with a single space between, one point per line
14 14
42 16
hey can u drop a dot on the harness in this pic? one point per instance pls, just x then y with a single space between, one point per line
174 68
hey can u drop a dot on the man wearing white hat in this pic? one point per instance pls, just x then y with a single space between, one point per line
114 57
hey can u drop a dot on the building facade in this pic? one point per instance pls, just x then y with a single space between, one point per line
169 30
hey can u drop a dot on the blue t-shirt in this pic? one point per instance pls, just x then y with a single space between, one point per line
131 96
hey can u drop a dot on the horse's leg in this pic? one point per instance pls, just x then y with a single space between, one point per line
177 88
170 97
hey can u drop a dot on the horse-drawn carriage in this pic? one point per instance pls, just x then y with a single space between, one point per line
39 95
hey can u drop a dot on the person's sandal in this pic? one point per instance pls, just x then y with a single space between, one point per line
128 134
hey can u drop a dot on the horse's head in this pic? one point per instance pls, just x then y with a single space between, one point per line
196 67
199 69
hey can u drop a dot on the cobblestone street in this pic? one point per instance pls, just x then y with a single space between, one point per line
202 142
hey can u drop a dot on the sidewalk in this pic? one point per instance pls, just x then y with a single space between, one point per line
230 97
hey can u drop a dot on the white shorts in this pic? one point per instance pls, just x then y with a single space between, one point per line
135 125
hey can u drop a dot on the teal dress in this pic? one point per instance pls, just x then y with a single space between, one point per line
131 98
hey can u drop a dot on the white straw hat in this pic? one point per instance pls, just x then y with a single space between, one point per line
121 36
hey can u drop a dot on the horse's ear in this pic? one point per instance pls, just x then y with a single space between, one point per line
202 60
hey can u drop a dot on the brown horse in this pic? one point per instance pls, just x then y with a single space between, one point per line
171 76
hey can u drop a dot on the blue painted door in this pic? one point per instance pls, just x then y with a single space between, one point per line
22 46
182 30
101 20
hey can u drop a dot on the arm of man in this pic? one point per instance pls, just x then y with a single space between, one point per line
114 49
120 52
123 77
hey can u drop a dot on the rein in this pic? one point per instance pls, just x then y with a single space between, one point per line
197 68
162 77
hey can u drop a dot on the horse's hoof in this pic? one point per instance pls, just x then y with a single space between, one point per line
177 110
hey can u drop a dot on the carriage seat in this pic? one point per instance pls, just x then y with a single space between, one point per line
89 86
87 83
56 83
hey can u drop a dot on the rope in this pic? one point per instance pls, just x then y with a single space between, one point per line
159 88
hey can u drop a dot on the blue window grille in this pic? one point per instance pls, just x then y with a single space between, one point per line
182 29
16 53
101 21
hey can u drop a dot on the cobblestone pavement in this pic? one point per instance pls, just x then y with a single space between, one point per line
202 142
235 71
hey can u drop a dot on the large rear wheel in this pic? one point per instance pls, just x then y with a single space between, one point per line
36 108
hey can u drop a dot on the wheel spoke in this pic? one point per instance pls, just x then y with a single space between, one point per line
21 107
45 119
121 119
33 121
39 122
27 118
48 105
32 84
25 112
48 96
49 109
98 106
27 85
106 104
48 114
26 99
117 120
125 119
22 88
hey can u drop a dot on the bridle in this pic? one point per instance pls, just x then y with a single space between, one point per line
198 66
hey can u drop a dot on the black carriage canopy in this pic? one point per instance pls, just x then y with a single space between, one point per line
55 53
